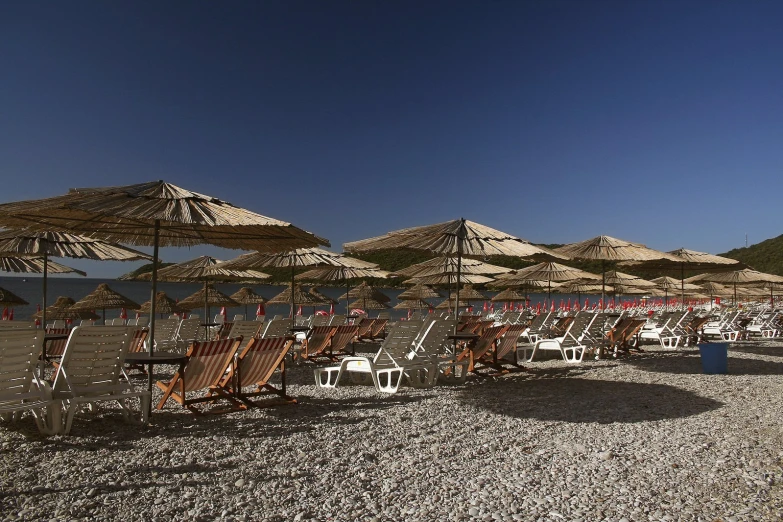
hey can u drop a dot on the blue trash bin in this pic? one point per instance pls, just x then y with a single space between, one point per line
714 357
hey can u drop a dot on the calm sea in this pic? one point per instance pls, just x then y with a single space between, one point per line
30 289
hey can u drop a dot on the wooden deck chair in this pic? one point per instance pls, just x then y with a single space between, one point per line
20 388
365 328
378 328
537 327
91 370
483 346
342 337
317 342
56 348
695 330
255 365
203 369
507 345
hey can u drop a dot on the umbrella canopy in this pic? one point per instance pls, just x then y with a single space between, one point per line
509 294
547 271
247 296
34 265
8 298
412 304
163 305
579 286
468 294
298 258
669 283
448 265
460 237
324 299
341 273
419 292
365 291
613 277
449 304
156 214
104 297
526 283
300 296
210 295
61 309
369 304
448 279
203 268
606 248
737 277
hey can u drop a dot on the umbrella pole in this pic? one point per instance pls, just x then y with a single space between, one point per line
603 283
103 313
293 300
152 304
206 314
43 309
682 281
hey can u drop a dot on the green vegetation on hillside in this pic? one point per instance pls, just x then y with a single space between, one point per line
766 256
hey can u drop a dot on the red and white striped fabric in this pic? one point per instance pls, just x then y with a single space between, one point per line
56 348
260 358
206 363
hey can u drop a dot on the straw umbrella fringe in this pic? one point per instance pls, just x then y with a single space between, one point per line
163 305
8 298
247 296
61 309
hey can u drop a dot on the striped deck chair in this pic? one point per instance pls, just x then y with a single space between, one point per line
56 348
255 365
365 328
342 337
482 346
317 342
623 334
91 370
20 388
203 369
378 329
507 345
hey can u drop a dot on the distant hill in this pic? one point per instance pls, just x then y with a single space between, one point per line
766 256
143 269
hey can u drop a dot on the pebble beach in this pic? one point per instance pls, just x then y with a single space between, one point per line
643 437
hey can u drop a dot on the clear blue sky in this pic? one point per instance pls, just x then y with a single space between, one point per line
656 122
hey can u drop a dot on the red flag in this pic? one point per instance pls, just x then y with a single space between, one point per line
601 303
538 309
123 314
561 305
587 302
38 309
486 306
299 310
5 313
11 315
138 314
410 313
553 306
568 304
331 309
505 307
430 310
260 310
223 312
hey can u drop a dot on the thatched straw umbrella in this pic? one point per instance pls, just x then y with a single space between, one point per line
738 277
365 292
247 296
606 248
420 292
449 304
205 269
669 283
448 280
547 271
368 304
509 295
460 238
412 304
48 244
469 294
342 273
448 265
299 258
34 265
690 259
210 295
61 309
163 305
156 214
104 297
8 298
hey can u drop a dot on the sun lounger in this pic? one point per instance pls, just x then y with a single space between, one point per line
570 345
484 345
20 388
255 365
245 329
317 342
91 370
203 369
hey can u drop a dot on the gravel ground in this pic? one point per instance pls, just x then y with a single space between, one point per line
645 437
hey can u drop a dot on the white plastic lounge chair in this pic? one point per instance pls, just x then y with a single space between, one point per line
245 329
570 345
91 370
20 388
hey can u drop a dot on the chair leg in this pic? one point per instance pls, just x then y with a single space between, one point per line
388 380
327 377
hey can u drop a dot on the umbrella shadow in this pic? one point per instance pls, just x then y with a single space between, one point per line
581 400
772 351
690 363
